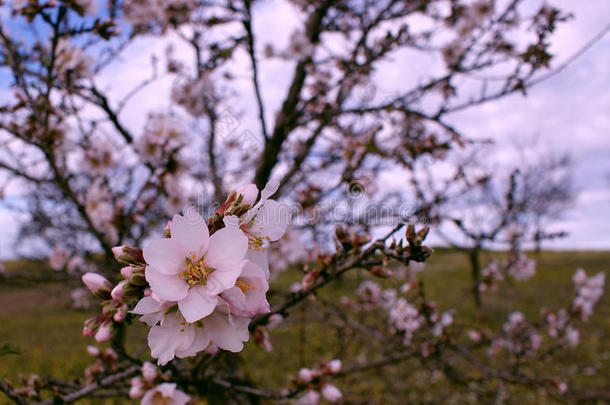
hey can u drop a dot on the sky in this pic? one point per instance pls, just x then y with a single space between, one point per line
569 112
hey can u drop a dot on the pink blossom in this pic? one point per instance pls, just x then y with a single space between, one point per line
331 393
248 297
136 389
305 375
334 366
311 397
58 258
192 268
165 393
93 351
174 337
149 371
265 222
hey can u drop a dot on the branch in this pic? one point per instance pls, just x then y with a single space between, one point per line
88 389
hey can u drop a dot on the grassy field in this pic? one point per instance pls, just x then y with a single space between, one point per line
38 319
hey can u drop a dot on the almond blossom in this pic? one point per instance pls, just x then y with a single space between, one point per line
165 393
265 222
192 268
248 297
174 337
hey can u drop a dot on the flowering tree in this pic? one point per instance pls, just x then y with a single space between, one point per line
477 205
201 281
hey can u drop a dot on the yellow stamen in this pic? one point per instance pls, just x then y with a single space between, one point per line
196 271
244 286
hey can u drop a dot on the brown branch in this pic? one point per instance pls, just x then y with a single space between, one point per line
90 388
286 119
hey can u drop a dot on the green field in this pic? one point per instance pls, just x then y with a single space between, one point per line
38 319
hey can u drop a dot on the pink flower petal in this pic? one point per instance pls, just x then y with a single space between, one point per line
170 288
166 255
227 249
191 233
197 304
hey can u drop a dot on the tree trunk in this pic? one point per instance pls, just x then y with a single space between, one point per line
476 275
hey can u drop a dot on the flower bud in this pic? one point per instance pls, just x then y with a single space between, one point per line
128 255
93 351
117 292
149 371
119 315
249 193
331 393
334 366
97 284
381 272
305 375
137 388
126 272
104 332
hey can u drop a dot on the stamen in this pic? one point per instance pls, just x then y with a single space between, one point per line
195 271
244 286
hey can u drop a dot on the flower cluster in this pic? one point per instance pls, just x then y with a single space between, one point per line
153 387
558 326
198 286
163 136
157 15
517 265
106 361
405 318
520 338
588 291
312 380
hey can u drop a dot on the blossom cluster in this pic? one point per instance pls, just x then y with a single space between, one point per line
588 291
198 286
519 338
517 265
313 380
153 387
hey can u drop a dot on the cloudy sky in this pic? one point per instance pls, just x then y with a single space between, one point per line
568 112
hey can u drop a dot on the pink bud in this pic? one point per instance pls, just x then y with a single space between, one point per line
93 351
137 388
87 331
331 393
305 375
103 333
126 272
117 251
97 284
117 292
334 366
250 192
149 371
119 316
